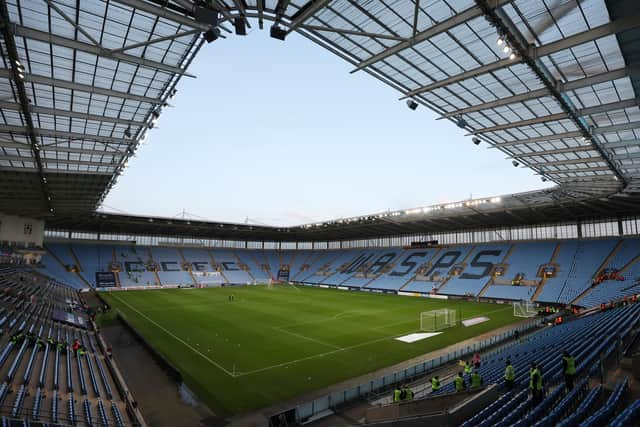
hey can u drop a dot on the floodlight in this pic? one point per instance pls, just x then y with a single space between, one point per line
506 49
462 123
412 104
512 56
515 164
127 132
500 41
476 140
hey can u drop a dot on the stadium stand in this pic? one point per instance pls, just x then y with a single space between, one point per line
473 278
46 381
135 261
170 268
470 270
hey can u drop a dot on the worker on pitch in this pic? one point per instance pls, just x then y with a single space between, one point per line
232 297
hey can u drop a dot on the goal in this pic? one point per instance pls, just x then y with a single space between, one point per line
436 320
524 309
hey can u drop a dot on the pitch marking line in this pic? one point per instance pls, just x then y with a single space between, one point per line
326 344
171 334
315 356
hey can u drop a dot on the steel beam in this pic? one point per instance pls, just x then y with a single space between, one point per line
555 137
72 114
556 151
36 79
627 156
566 162
351 32
562 116
545 50
439 28
21 93
552 117
42 36
163 13
158 40
46 160
580 170
617 128
575 134
612 106
563 87
621 144
62 149
62 134
306 12
73 23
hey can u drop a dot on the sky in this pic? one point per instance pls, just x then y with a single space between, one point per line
280 133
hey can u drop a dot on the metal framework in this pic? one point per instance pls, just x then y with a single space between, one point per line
558 94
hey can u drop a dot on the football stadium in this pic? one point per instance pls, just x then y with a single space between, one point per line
515 309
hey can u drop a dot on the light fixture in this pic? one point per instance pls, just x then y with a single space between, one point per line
462 123
212 35
506 49
475 140
500 41
515 164
21 76
127 132
412 104
512 56
544 179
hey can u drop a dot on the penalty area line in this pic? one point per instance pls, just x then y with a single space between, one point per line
177 338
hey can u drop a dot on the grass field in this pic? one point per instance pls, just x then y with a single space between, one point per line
275 343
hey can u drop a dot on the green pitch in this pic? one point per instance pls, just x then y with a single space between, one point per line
275 343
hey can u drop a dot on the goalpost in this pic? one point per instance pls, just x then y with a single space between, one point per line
524 309
436 320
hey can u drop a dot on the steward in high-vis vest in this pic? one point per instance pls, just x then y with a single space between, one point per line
396 394
569 369
459 382
467 367
509 375
476 380
435 384
535 383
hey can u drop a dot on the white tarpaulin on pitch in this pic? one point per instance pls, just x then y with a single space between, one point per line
417 336
475 321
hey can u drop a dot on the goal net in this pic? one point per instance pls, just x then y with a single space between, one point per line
524 309
436 320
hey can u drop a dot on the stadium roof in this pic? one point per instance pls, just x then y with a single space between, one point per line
82 82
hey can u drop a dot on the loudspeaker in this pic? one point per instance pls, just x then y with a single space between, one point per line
241 27
278 33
